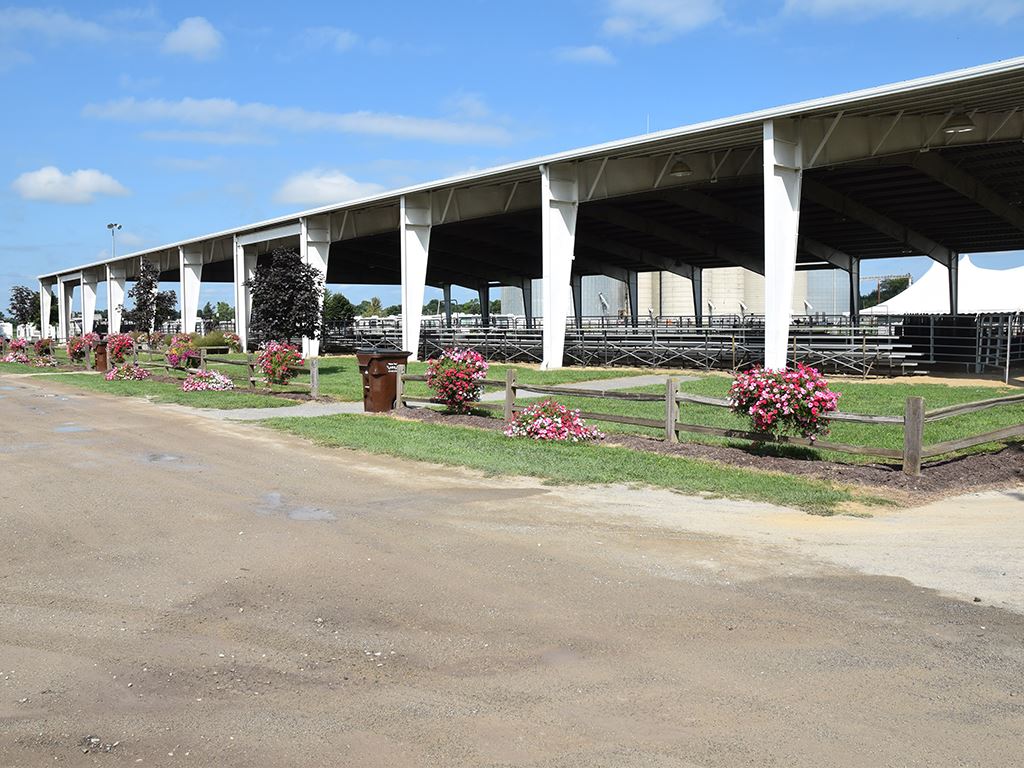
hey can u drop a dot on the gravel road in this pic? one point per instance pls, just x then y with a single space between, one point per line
182 591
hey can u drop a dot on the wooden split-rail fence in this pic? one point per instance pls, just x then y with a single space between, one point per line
912 421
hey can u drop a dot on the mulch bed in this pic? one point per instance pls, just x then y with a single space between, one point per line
939 478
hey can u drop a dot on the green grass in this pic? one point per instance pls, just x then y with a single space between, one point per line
168 392
493 453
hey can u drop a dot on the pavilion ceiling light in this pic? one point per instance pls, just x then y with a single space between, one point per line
959 124
680 170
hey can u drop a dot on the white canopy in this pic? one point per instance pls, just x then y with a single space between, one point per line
980 290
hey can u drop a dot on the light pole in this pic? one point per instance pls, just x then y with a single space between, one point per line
113 228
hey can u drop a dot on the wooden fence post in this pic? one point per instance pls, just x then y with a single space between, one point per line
671 411
135 351
913 435
510 393
400 387
314 377
250 366
202 358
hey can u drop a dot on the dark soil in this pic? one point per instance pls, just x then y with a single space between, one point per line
939 478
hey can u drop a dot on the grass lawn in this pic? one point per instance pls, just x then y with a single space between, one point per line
166 392
882 398
493 453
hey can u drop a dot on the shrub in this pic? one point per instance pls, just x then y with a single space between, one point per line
127 372
233 341
19 345
119 346
76 349
207 381
43 347
182 352
454 377
278 361
791 401
91 339
550 420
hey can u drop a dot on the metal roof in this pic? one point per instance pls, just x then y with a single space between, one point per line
990 87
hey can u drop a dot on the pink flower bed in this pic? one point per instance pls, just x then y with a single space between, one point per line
15 356
279 361
44 347
207 381
793 401
551 421
128 372
119 346
455 375
45 361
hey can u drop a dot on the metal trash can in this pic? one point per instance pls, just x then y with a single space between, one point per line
379 368
99 357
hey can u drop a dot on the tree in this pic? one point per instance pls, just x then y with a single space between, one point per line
887 288
286 296
337 308
392 310
207 313
24 306
225 312
370 307
496 307
152 307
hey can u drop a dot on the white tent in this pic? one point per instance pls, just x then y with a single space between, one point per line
980 290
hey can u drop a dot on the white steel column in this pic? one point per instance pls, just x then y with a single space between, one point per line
63 310
116 279
245 270
89 283
414 231
190 272
782 178
315 249
559 202
45 298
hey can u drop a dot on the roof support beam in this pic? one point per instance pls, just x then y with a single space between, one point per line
584 264
818 193
957 179
709 206
629 220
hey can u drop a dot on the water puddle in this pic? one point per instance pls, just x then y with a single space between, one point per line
162 458
272 504
9 389
66 428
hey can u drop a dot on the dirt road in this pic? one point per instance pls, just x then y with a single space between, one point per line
211 594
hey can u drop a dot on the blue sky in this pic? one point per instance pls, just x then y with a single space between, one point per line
180 119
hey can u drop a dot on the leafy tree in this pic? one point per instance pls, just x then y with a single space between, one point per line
433 307
152 307
24 306
207 313
286 296
471 307
887 288
392 310
225 312
337 308
369 307
496 306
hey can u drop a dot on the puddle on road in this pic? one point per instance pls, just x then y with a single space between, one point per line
71 427
272 504
162 458
9 389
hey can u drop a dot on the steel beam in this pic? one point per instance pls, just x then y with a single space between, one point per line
957 179
559 204
414 230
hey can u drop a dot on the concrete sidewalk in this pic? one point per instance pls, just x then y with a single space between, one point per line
305 410
598 385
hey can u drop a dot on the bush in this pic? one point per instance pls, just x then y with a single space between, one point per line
77 349
551 421
119 346
15 356
207 381
44 347
233 341
784 402
182 352
128 372
19 345
278 361
454 377
91 339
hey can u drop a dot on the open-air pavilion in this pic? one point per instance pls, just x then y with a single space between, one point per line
930 167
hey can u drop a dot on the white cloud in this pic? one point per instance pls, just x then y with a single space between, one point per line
322 186
206 137
77 187
586 54
11 58
54 25
468 105
658 20
195 37
337 38
995 10
214 112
